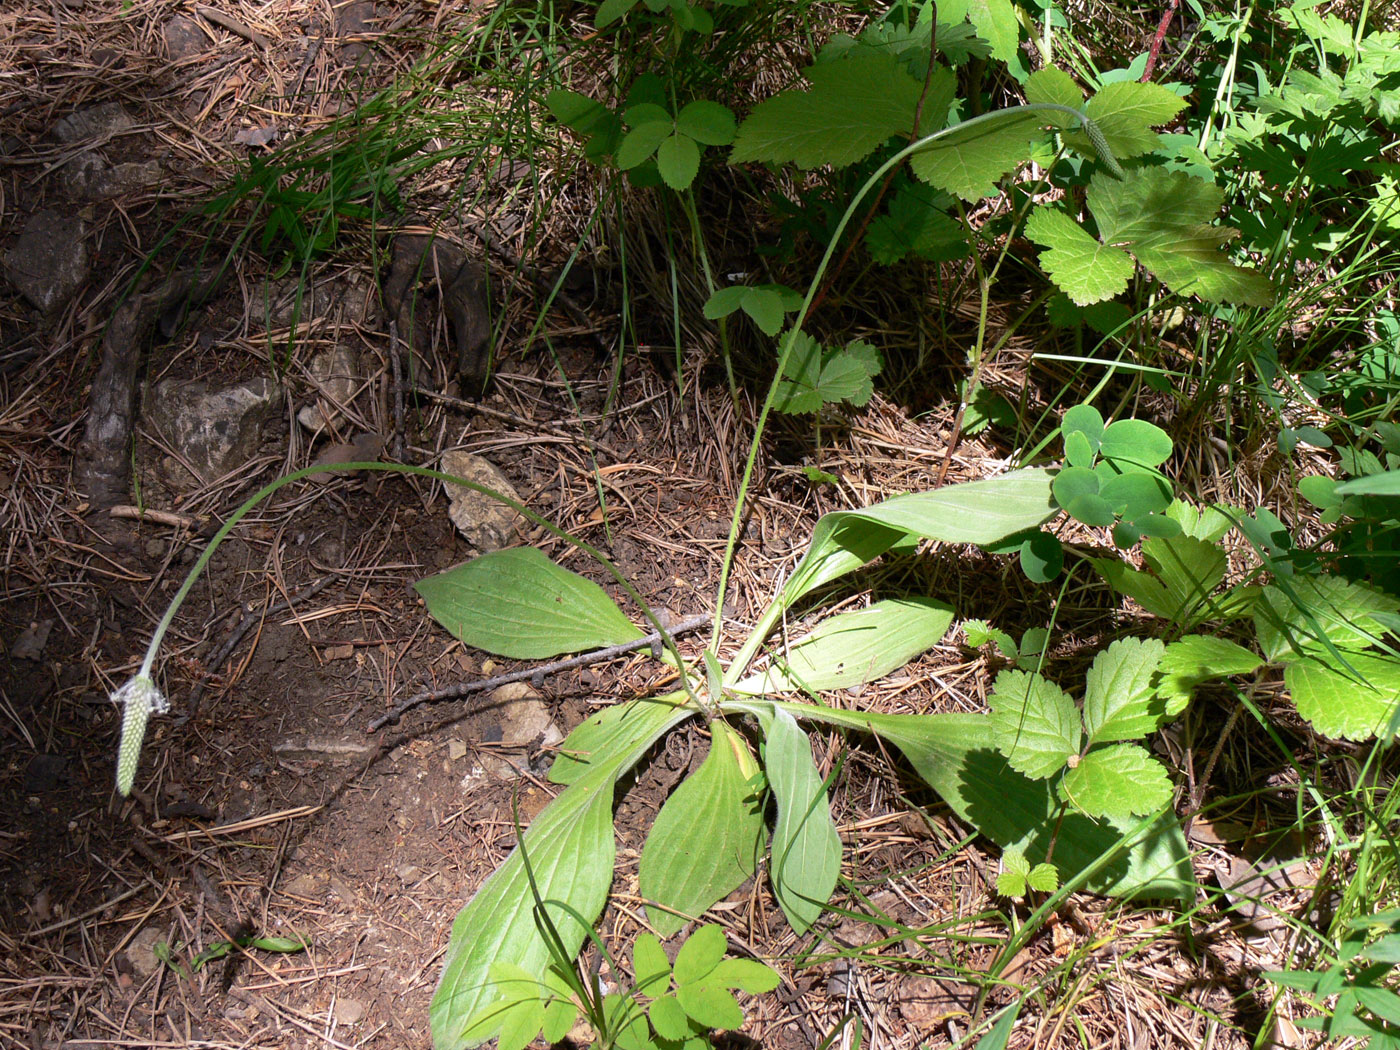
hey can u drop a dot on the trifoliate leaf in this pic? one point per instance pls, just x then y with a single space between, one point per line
750 975
797 389
1337 703
970 160
1118 781
1035 723
1085 270
700 954
1118 693
854 105
843 374
1163 218
641 142
669 1019
710 1006
1197 658
650 967
1044 878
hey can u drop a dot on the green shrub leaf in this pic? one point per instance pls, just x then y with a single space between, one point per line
518 603
707 122
669 1019
1136 441
678 160
1126 111
710 1006
970 161
747 974
806 850
700 954
1035 723
1339 705
1118 691
1085 270
854 105
1197 658
650 967
708 837
1287 621
1121 780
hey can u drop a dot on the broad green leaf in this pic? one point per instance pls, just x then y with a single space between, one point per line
806 850
854 105
1072 483
710 1006
609 11
571 848
1387 484
647 113
1136 441
1119 701
678 160
521 1010
854 647
669 1019
518 603
1086 420
972 512
560 1012
650 968
1340 706
1035 723
996 23
1055 85
1091 510
1118 781
701 953
641 142
1344 613
799 388
1187 572
579 112
1126 111
707 122
1085 270
1138 494
1042 557
765 306
607 736
956 755
1044 878
1164 219
1197 658
725 301
627 1022
747 974
969 161
708 837
916 223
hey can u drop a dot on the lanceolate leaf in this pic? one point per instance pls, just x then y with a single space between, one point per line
854 105
1355 704
806 850
571 847
855 647
974 512
1035 722
609 735
1119 700
518 603
1121 780
708 836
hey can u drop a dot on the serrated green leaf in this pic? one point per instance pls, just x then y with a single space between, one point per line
976 632
518 603
1015 862
708 837
650 968
1126 111
1118 781
678 160
996 23
559 1017
609 11
725 301
1197 658
1043 878
700 954
1163 218
1344 613
1136 441
1084 269
710 1006
640 144
708 123
765 306
1339 705
1056 86
1387 484
806 850
1118 692
854 647
854 105
798 388
647 113
749 975
970 161
1035 723
1011 884
916 223
669 1019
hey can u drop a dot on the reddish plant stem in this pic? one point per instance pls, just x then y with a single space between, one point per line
1156 49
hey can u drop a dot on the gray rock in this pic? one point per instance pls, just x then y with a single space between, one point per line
94 122
91 178
214 431
337 376
49 262
485 523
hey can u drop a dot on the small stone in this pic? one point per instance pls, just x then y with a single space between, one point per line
456 749
93 122
336 375
141 950
408 873
484 522
183 38
215 431
304 885
32 640
348 1011
49 263
522 715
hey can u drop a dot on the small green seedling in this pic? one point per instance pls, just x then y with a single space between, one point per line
1018 877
